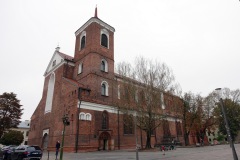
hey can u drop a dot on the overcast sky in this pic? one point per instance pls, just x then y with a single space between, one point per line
198 39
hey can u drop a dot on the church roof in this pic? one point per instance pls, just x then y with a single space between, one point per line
65 56
96 20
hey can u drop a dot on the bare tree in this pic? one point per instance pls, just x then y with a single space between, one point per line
142 88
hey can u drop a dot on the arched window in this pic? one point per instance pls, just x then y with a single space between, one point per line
82 116
104 65
82 40
88 117
104 38
80 68
104 88
104 120
51 82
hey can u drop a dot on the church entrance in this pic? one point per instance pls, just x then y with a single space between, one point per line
45 141
104 141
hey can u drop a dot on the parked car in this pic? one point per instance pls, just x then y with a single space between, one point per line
27 152
5 152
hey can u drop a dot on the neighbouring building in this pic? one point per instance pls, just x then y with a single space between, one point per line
24 127
82 87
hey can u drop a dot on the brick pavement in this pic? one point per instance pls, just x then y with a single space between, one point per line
218 152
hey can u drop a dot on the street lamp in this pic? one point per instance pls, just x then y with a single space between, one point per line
235 157
137 157
66 122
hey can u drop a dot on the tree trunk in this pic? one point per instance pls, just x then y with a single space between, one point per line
148 143
186 139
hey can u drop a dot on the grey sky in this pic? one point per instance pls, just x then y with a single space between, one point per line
198 40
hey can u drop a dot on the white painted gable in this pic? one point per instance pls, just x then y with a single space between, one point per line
54 63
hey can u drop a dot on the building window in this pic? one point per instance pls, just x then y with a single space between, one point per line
27 133
82 40
136 96
82 116
50 91
162 101
104 38
104 89
104 65
80 68
128 124
104 120
54 63
119 94
88 117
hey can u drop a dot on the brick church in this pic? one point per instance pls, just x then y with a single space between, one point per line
82 88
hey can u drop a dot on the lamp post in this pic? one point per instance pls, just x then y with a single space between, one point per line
66 122
137 157
235 157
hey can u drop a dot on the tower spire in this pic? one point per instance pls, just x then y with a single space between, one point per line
95 15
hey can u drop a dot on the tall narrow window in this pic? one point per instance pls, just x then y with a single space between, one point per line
104 40
104 88
104 65
104 120
119 94
82 38
51 82
83 41
80 68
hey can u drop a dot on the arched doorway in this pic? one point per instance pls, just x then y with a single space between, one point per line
45 141
104 141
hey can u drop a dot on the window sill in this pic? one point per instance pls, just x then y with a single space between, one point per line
104 95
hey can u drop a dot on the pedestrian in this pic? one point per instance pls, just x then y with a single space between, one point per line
57 148
163 149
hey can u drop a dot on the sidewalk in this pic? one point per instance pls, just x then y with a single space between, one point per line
217 152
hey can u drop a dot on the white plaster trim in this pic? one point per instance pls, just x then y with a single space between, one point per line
57 66
92 20
97 107
45 131
111 109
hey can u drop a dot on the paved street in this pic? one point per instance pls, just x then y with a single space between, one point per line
218 152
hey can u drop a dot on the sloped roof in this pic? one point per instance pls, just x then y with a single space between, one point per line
65 56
